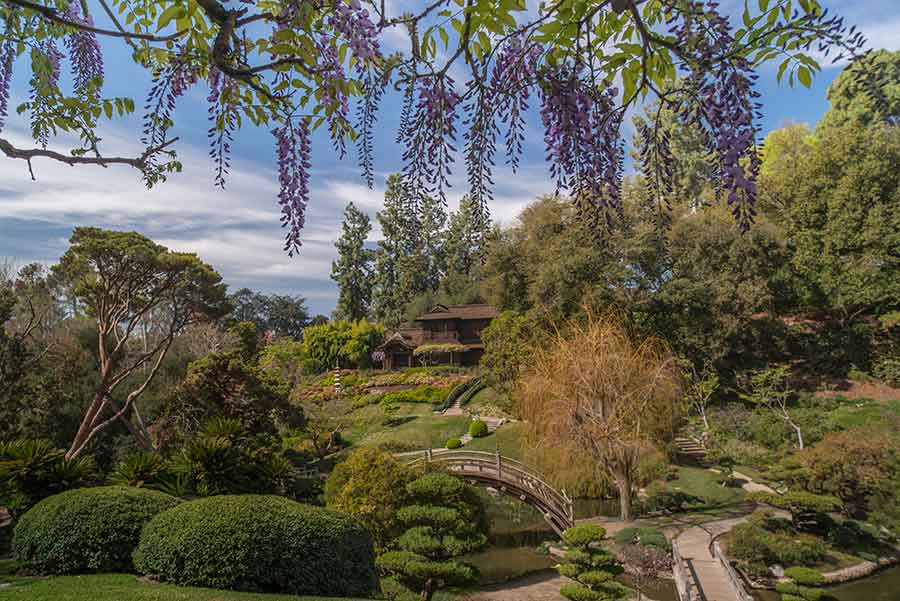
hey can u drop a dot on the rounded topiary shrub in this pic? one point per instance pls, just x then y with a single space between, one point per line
454 443
87 529
477 429
259 543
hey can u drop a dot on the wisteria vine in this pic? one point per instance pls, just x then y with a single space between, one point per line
292 146
7 57
222 122
319 55
84 53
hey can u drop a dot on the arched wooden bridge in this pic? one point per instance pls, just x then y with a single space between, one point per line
510 477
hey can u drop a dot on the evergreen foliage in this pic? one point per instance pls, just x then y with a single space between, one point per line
443 518
259 543
592 568
353 269
87 530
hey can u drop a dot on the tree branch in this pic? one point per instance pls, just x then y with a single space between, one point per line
139 163
51 14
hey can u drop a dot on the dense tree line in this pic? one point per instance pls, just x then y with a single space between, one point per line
424 256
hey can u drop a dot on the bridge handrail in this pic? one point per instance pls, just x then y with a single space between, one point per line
509 467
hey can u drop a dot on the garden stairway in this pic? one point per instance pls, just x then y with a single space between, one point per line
690 447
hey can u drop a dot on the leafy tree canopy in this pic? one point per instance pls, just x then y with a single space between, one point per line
293 68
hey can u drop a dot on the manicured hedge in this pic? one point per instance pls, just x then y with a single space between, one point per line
478 428
259 543
454 443
87 529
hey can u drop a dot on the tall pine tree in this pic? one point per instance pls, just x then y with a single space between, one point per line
463 249
353 269
395 246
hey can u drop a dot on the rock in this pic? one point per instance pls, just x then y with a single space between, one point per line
777 571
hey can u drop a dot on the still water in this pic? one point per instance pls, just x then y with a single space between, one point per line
516 531
881 586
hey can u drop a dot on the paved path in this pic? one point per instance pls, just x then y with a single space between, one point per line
543 586
694 544
749 485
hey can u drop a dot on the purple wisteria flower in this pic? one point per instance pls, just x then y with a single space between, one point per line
429 133
292 148
351 21
722 102
334 97
221 116
84 51
582 138
7 57
512 80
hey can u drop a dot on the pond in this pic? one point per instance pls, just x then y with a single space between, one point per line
517 530
881 586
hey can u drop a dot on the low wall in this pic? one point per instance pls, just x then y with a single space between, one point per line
860 570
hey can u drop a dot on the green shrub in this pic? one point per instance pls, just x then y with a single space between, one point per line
87 530
477 429
803 592
888 370
454 443
259 543
31 470
756 545
647 537
805 576
477 386
419 394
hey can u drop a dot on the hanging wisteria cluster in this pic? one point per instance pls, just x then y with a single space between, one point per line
292 145
722 104
84 53
170 82
7 56
314 58
429 135
222 121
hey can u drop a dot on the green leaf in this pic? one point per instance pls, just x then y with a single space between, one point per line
175 11
804 75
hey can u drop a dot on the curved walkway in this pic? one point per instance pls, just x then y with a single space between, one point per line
711 576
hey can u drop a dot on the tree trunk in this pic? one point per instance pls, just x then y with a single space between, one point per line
623 483
799 435
87 424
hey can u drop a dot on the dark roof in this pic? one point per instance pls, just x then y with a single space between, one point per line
460 312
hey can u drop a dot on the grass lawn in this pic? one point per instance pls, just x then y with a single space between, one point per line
702 483
419 428
488 401
509 438
125 587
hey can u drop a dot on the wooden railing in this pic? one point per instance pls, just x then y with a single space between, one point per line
511 477
685 578
734 579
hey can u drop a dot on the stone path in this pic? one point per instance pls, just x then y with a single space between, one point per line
750 486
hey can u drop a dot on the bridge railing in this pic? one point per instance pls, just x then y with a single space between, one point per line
506 470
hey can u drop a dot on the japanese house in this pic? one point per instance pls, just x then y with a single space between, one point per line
446 335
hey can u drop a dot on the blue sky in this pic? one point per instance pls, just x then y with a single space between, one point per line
237 230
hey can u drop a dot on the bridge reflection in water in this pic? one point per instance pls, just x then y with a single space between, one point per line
510 477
